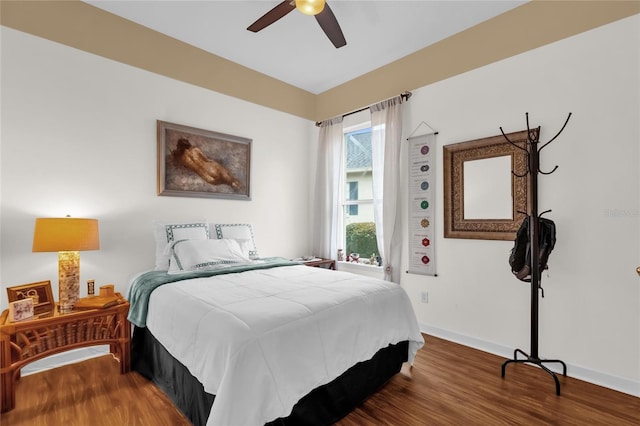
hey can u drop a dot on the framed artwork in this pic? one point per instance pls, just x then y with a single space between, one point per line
21 310
39 292
200 163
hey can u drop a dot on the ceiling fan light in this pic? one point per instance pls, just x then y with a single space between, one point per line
310 7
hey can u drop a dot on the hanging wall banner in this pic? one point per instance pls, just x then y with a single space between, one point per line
422 187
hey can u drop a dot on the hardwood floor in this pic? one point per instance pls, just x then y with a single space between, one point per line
450 385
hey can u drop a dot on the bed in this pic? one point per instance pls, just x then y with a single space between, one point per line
234 340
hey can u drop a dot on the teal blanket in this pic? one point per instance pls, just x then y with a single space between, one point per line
143 285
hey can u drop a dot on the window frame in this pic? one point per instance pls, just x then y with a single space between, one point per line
351 191
344 202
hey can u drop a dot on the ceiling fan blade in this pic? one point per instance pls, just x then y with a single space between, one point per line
330 26
272 16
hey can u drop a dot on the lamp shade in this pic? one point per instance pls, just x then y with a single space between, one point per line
65 234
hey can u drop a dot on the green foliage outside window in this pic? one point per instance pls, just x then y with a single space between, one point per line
361 238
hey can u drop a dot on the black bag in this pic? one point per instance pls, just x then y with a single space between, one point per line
520 257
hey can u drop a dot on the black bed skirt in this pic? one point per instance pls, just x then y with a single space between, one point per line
322 406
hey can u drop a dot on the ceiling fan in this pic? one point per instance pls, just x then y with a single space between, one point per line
319 8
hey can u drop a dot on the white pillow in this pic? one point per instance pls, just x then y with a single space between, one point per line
166 233
247 248
241 232
204 255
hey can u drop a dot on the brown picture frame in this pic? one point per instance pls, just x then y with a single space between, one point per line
454 156
201 163
39 291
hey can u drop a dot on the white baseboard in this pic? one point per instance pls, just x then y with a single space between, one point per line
620 384
64 358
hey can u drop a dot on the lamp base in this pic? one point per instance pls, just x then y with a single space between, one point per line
67 309
68 280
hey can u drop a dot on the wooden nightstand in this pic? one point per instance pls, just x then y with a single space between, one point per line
322 263
50 333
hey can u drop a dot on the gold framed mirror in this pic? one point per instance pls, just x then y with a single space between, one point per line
483 196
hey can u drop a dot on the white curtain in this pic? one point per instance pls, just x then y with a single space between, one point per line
386 128
329 185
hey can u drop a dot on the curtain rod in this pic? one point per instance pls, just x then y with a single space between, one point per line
405 96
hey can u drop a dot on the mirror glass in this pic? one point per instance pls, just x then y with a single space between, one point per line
483 199
487 188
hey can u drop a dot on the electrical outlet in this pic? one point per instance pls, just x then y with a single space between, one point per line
424 297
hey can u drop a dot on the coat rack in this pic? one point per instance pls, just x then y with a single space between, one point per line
533 168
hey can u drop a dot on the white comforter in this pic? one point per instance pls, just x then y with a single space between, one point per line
260 340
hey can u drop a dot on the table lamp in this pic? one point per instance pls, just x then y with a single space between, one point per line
68 236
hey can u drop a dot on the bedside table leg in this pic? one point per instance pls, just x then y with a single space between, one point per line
124 344
8 391
6 376
125 356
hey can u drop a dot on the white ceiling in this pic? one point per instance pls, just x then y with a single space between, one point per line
295 49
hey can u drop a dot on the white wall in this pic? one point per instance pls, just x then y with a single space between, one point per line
590 316
79 138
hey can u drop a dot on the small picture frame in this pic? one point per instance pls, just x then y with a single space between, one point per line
39 292
21 309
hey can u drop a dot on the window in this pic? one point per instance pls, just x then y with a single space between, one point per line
353 195
359 230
